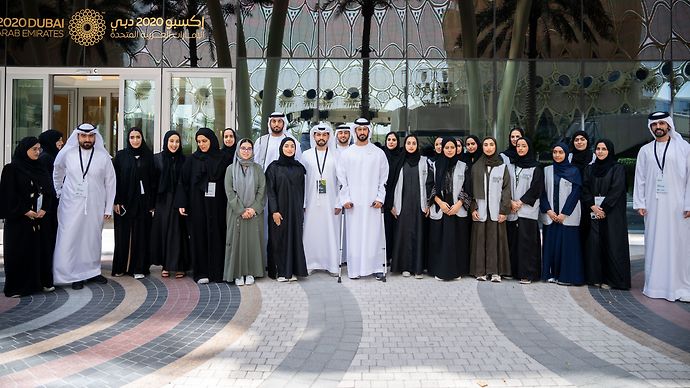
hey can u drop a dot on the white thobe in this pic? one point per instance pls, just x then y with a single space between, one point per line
363 170
321 225
80 217
266 149
667 262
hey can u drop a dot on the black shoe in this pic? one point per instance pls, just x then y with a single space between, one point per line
78 285
100 279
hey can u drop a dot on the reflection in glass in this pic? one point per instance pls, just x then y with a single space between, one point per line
27 108
139 107
197 102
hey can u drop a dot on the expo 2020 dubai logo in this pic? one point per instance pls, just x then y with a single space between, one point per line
87 27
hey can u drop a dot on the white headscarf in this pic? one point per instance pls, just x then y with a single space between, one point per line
278 115
362 122
665 117
73 141
321 127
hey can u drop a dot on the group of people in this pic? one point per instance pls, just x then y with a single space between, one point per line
251 209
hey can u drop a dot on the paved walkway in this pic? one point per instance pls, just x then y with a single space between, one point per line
361 333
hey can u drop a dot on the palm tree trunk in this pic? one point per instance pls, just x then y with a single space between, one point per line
220 34
274 52
367 14
475 97
506 97
193 52
244 108
531 110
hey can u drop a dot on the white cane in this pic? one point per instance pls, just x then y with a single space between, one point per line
342 242
385 260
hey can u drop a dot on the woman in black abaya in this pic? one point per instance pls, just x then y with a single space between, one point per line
134 203
27 194
607 254
285 193
394 156
229 143
169 238
201 198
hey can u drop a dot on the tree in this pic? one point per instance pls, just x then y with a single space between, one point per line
274 54
368 7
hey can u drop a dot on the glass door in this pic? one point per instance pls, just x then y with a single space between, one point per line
140 104
96 106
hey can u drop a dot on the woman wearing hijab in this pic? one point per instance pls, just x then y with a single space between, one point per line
472 153
285 193
460 147
135 198
51 143
449 225
202 200
560 201
245 185
581 156
410 208
26 196
524 239
395 158
607 259
229 143
510 153
490 207
169 238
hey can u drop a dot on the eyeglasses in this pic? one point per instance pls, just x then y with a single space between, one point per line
246 148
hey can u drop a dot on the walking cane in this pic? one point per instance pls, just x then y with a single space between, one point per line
342 235
385 257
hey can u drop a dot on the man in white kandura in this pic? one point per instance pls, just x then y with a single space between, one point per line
343 138
363 170
266 147
321 207
662 196
84 181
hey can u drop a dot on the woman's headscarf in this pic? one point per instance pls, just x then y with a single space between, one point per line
285 160
442 164
530 159
48 140
412 158
394 170
601 167
510 152
31 168
471 157
580 158
479 169
392 154
172 164
229 151
461 147
243 179
213 162
565 170
142 149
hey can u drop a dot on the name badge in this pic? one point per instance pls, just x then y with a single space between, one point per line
210 189
39 202
141 187
661 187
321 186
80 189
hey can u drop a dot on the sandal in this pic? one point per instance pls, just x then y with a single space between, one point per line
179 275
165 274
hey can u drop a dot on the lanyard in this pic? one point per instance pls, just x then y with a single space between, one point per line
81 163
318 165
517 175
663 158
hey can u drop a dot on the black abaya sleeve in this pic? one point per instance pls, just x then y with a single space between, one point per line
617 188
13 204
587 183
544 204
536 187
184 185
259 200
271 190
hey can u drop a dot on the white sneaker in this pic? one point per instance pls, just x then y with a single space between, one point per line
202 281
239 281
496 278
419 276
139 276
249 280
406 274
552 280
293 278
49 289
605 286
282 279
481 278
438 278
525 281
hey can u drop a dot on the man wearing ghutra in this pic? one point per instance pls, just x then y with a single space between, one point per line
662 196
84 180
266 149
343 137
321 207
363 171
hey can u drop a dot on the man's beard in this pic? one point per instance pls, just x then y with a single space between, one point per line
86 145
657 131
345 141
321 143
276 130
362 137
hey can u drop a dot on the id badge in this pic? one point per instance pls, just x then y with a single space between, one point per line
141 187
599 200
321 185
210 189
39 202
661 187
81 189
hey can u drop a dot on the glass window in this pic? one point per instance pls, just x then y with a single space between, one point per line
27 108
197 102
140 107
